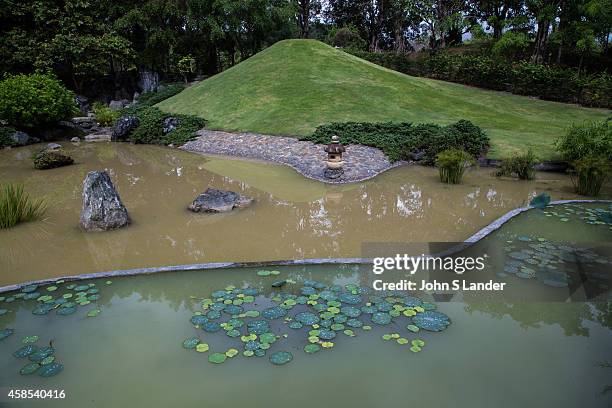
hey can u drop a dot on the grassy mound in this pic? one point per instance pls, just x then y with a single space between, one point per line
295 85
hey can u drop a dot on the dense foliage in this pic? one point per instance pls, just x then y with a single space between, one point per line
149 99
104 115
32 101
591 172
5 136
587 139
400 140
523 78
150 130
452 163
519 165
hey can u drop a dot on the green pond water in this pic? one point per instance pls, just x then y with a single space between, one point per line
548 349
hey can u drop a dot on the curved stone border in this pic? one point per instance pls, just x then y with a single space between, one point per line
484 232
361 162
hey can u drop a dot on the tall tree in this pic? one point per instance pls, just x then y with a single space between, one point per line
306 11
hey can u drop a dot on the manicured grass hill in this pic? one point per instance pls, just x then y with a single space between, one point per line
296 85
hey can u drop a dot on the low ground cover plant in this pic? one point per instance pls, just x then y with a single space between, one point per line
400 141
16 206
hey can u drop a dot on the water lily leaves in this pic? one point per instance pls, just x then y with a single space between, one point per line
351 311
47 360
264 346
32 295
418 343
386 337
213 314
248 353
259 352
306 318
337 327
311 348
29 288
415 349
409 312
191 343
251 345
30 339
402 340
43 309
258 327
93 313
267 338
233 309
211 327
381 318
413 328
51 288
279 284
217 358
327 334
366 327
41 353
349 298
4 333
231 353
81 288
281 357
327 344
263 273
251 313
45 298
29 368
275 312
198 320
50 370
295 325
25 351
349 332
308 290
65 311
431 321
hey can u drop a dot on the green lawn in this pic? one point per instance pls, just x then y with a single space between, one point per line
295 85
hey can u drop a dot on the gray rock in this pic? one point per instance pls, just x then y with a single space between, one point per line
215 201
333 174
51 159
83 103
124 126
136 96
75 140
101 136
53 146
170 124
148 81
23 139
118 105
102 207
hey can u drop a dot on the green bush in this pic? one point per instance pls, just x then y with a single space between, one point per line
591 172
588 138
519 165
104 115
5 136
511 46
150 130
35 100
400 140
523 78
16 206
148 99
452 163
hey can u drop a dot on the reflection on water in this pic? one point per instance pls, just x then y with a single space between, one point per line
293 217
493 354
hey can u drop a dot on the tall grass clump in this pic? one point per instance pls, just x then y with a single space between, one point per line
105 115
452 163
590 174
519 165
16 206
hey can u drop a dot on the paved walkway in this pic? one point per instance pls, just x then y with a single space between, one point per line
360 162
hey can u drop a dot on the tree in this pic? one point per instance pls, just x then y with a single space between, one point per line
497 13
544 13
306 11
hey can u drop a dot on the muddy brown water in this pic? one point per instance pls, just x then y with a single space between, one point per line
293 217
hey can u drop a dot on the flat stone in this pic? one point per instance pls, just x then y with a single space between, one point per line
216 201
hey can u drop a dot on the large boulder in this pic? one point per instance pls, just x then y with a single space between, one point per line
215 201
102 207
124 126
51 158
22 138
170 124
148 80
118 104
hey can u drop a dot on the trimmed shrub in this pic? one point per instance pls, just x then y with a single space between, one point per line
400 141
588 138
590 174
151 126
519 165
35 100
452 163
16 206
50 159
104 115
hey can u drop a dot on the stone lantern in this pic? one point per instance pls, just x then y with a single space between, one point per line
334 161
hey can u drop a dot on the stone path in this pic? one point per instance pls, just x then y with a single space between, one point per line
360 162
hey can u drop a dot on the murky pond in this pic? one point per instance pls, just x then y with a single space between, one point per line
293 217
133 353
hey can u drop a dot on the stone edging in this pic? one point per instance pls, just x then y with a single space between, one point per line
307 158
484 232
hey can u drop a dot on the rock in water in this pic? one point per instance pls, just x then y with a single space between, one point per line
125 125
214 201
102 207
50 159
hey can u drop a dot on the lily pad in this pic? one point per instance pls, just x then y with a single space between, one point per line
41 353
312 348
29 368
217 358
281 357
231 352
4 333
307 318
93 313
30 339
381 318
25 351
413 328
50 370
431 321
275 312
211 327
202 348
47 360
327 334
191 343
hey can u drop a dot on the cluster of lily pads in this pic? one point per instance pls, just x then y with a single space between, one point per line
64 300
316 311
589 215
549 262
42 359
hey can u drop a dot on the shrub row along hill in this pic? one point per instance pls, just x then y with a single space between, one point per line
523 78
400 141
